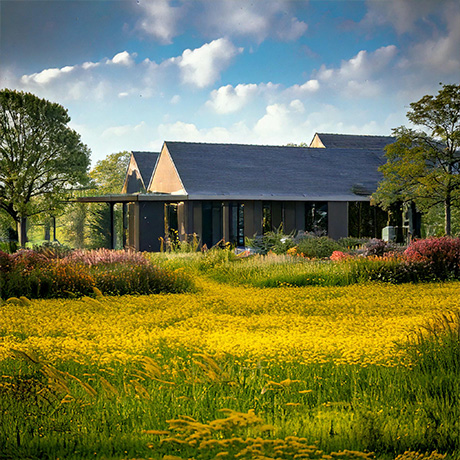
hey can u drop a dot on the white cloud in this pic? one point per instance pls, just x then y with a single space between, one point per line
282 123
306 89
160 19
360 76
175 99
189 132
89 65
122 75
202 66
123 58
46 76
228 99
403 15
440 54
258 20
123 130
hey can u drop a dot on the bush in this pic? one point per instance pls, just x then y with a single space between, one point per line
352 243
41 274
442 255
276 241
377 247
317 247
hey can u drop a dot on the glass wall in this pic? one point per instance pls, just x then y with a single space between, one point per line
212 223
365 221
236 220
316 217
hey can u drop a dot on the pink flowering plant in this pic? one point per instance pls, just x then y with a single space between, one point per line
441 255
48 274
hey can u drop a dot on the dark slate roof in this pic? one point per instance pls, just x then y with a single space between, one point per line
270 172
146 162
354 141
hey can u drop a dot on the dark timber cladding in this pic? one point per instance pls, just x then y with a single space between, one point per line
235 191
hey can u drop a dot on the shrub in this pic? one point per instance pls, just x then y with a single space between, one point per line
107 257
339 255
442 255
36 275
350 242
276 241
377 247
317 247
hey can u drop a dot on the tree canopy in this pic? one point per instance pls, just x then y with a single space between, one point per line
109 174
423 165
41 158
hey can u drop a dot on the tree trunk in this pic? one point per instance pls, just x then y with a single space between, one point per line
22 231
447 216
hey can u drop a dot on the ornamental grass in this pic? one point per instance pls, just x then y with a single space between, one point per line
46 274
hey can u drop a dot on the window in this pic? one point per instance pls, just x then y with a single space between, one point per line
171 222
364 220
267 217
316 219
212 223
236 233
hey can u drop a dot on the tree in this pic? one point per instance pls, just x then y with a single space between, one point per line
41 158
424 166
107 177
109 174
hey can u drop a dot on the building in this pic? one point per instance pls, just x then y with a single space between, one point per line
233 191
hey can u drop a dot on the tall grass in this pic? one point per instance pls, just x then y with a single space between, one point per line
147 377
52 274
80 411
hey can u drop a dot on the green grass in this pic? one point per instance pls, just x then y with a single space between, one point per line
81 410
70 411
284 270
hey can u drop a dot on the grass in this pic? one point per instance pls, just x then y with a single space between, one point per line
273 270
233 368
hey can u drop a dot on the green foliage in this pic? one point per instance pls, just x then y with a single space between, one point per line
441 256
108 175
274 241
41 158
56 272
317 247
422 167
75 408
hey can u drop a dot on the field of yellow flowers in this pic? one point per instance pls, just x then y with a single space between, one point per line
227 372
349 325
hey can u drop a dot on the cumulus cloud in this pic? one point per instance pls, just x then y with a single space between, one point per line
202 66
431 35
360 75
123 58
123 130
403 15
121 76
230 18
276 126
258 20
160 19
46 76
439 54
228 99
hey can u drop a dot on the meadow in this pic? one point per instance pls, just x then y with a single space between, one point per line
232 369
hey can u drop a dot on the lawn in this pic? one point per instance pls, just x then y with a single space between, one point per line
232 371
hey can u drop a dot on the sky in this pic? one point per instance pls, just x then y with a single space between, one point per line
135 73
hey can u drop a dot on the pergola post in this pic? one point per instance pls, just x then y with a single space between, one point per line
125 223
112 226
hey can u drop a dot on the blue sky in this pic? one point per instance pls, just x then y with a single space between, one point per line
133 73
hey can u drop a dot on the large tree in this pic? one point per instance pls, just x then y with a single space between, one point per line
423 165
41 158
